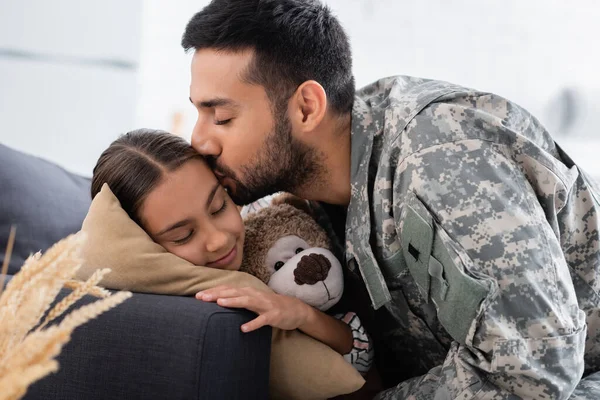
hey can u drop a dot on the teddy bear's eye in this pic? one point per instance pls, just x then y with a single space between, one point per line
299 250
278 265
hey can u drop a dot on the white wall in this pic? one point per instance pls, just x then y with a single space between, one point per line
164 75
75 74
527 51
68 74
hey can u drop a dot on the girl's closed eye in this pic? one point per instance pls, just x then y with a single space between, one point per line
185 239
221 208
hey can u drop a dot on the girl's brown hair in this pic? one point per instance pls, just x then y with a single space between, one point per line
135 163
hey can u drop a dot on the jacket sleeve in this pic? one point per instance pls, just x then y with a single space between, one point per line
496 271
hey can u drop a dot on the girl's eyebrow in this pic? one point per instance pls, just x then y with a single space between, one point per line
211 196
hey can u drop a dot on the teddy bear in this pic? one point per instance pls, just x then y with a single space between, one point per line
292 253
291 246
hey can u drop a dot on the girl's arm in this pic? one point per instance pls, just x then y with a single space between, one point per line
283 312
331 331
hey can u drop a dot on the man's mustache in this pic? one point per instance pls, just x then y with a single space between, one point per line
217 169
222 171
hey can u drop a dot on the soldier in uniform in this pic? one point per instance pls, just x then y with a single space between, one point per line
471 231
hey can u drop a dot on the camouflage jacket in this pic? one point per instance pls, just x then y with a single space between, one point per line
477 240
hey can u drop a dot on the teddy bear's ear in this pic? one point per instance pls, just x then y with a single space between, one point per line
301 204
316 211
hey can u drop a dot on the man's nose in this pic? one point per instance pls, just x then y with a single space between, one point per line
205 144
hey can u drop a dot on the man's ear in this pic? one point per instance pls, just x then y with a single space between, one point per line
309 106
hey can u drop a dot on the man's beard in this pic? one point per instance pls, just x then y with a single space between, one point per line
282 164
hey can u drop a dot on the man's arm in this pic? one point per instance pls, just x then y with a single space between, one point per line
527 334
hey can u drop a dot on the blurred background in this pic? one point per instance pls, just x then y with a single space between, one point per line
76 74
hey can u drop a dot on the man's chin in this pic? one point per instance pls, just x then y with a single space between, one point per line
232 191
229 186
243 197
241 200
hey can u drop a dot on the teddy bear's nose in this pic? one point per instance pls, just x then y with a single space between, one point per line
311 269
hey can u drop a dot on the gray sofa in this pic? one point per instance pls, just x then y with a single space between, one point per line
151 346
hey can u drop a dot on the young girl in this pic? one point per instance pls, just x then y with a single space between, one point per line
168 189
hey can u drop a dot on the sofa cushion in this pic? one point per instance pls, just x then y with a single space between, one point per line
43 200
160 347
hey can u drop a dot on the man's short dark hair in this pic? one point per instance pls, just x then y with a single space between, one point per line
293 40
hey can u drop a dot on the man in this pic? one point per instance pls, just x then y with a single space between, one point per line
474 235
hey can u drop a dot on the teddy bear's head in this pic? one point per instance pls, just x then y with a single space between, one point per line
286 248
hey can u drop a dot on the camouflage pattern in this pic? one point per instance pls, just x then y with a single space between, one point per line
588 388
509 215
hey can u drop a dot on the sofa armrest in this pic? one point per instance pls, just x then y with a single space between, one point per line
161 347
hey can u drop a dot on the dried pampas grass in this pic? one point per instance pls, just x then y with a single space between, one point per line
28 345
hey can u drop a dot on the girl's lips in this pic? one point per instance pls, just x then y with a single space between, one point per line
224 261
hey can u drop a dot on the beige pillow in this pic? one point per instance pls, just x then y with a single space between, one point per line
301 367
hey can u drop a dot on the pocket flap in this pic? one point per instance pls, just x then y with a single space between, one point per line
417 242
438 272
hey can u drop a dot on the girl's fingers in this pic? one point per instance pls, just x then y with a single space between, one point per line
215 289
255 324
210 291
218 292
246 302
225 292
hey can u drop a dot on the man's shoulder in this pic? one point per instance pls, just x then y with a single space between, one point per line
404 89
387 106
413 114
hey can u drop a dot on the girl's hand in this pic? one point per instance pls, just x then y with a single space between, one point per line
276 310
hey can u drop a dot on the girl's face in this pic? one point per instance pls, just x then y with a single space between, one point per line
191 215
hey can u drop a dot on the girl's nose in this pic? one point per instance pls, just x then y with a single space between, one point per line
216 241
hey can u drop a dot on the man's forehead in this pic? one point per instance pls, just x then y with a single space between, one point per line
220 63
216 76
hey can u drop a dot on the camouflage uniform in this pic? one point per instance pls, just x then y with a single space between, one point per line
476 238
